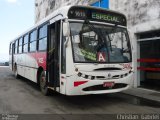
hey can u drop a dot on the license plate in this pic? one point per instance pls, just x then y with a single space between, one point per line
108 84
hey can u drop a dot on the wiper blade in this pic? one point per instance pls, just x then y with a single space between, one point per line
95 30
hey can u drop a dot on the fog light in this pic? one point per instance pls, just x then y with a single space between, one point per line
92 77
76 69
79 74
126 74
86 76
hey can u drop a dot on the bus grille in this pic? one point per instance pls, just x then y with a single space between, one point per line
103 77
100 87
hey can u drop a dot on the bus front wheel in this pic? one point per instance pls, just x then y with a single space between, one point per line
43 83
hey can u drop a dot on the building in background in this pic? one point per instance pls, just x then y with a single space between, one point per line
144 26
44 7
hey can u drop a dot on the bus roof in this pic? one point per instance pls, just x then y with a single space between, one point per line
63 13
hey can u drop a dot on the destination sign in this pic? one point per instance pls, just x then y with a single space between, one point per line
94 14
106 17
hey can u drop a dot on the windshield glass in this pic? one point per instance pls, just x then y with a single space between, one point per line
94 43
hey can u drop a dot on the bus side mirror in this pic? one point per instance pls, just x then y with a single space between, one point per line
66 29
66 32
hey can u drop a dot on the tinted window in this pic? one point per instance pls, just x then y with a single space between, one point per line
42 32
25 39
33 36
16 45
20 41
25 48
43 44
20 46
32 46
25 44
32 43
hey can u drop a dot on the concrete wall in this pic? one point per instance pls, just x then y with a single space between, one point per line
143 16
139 13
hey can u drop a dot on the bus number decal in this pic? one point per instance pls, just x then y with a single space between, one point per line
80 13
126 66
40 60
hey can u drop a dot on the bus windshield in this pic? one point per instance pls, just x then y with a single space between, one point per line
95 43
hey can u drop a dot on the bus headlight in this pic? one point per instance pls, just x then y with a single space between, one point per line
86 76
76 69
92 77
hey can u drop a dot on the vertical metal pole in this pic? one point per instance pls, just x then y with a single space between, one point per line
99 3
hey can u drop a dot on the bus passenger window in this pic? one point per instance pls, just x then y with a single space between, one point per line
32 46
20 45
33 41
42 44
16 45
25 44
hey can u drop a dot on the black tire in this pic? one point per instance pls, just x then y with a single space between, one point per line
16 72
43 84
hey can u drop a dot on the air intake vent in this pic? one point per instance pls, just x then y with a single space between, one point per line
100 77
107 69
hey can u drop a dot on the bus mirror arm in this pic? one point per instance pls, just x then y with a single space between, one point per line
66 42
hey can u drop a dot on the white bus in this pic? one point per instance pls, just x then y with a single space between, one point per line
77 50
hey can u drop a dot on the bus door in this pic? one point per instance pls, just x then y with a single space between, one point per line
12 62
53 53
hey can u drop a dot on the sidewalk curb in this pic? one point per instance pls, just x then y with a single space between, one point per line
144 94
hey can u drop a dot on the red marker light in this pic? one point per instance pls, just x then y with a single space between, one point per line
77 83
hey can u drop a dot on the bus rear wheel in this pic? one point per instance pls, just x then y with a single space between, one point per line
43 84
16 72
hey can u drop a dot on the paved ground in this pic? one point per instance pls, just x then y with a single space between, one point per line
23 96
149 94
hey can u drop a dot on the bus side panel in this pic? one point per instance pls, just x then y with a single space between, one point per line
30 66
10 62
41 59
20 60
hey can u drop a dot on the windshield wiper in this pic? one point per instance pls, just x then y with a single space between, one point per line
101 36
96 31
110 42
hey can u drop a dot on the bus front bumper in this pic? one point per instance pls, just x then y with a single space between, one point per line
87 86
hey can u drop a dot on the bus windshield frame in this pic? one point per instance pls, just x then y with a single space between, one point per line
105 56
